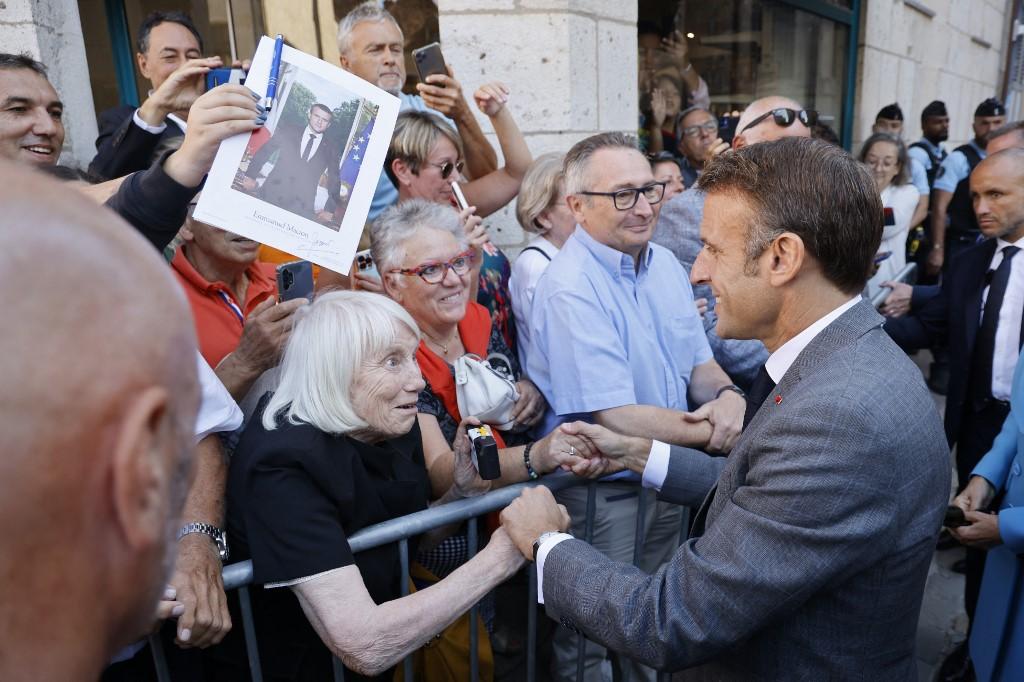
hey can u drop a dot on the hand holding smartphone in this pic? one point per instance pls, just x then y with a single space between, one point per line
429 61
295 280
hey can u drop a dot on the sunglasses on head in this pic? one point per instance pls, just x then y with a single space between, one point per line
786 117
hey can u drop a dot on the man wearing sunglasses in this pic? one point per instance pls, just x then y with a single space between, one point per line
697 132
678 229
618 341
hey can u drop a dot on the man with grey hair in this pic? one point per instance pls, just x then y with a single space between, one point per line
618 342
808 557
97 454
371 46
678 228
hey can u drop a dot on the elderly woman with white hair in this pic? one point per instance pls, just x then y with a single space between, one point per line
337 448
541 209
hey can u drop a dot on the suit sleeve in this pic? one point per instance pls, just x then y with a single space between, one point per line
767 552
121 147
691 474
333 178
153 203
924 327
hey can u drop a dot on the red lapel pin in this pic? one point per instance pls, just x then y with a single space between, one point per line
778 399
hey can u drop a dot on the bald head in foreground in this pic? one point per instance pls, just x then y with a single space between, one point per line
98 357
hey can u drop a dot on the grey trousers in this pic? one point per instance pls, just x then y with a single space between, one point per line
614 536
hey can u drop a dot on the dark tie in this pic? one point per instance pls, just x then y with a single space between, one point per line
985 345
309 147
759 390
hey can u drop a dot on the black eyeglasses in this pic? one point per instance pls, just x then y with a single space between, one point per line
434 273
625 199
786 117
693 131
447 167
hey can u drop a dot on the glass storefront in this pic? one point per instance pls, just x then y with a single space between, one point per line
746 49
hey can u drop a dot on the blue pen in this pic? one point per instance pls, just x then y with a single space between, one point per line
275 68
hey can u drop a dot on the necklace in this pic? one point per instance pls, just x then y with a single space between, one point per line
444 346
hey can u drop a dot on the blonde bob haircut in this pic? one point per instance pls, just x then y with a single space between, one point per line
542 185
416 133
333 337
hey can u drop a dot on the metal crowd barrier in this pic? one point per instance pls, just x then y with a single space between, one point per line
908 275
238 576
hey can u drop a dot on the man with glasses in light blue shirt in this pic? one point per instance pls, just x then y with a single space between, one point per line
618 341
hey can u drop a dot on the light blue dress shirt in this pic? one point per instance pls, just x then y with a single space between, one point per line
919 177
606 335
922 156
386 193
954 169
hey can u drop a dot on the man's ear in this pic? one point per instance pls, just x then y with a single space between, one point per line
143 63
575 204
139 472
403 171
345 63
786 258
739 142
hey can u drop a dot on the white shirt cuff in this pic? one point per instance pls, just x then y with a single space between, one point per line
155 130
217 409
656 468
542 554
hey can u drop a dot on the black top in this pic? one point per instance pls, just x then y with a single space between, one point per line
295 494
123 147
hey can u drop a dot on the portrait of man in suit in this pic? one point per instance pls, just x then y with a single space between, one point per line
808 555
304 155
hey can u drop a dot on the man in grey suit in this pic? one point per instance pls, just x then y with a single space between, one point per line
808 557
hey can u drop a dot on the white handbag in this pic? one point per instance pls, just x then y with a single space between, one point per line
484 392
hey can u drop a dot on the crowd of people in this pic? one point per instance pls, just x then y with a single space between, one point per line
690 324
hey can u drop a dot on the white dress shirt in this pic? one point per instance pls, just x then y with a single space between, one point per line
217 409
777 365
317 139
1007 345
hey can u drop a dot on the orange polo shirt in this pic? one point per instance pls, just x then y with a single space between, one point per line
219 318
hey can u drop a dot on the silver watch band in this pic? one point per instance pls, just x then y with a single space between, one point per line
216 534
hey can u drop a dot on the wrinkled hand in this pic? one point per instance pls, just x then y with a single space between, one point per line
510 557
983 533
225 111
364 282
934 263
702 306
266 330
532 514
465 477
616 452
977 494
717 148
197 580
491 98
531 404
443 94
897 303
725 414
659 108
180 91
561 448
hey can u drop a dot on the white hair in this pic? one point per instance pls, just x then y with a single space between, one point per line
370 10
396 225
331 340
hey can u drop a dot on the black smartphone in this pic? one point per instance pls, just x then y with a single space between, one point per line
955 517
429 61
215 77
295 280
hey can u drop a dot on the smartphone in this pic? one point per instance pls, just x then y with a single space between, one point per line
365 264
429 61
955 517
295 280
460 198
215 77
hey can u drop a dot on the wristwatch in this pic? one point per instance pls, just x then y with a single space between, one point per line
540 541
218 536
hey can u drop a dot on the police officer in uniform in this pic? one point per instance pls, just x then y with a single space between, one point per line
954 227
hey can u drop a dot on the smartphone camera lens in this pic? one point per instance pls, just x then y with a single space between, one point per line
289 279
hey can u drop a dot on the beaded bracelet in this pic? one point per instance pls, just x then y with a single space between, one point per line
530 471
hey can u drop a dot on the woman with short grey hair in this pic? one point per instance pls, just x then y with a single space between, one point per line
335 449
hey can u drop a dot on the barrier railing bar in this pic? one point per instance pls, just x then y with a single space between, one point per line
249 630
531 625
339 669
907 275
474 611
588 533
403 559
156 648
638 540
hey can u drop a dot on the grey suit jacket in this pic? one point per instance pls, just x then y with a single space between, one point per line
816 542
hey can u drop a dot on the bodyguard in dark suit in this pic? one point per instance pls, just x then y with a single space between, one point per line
304 154
808 557
170 57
